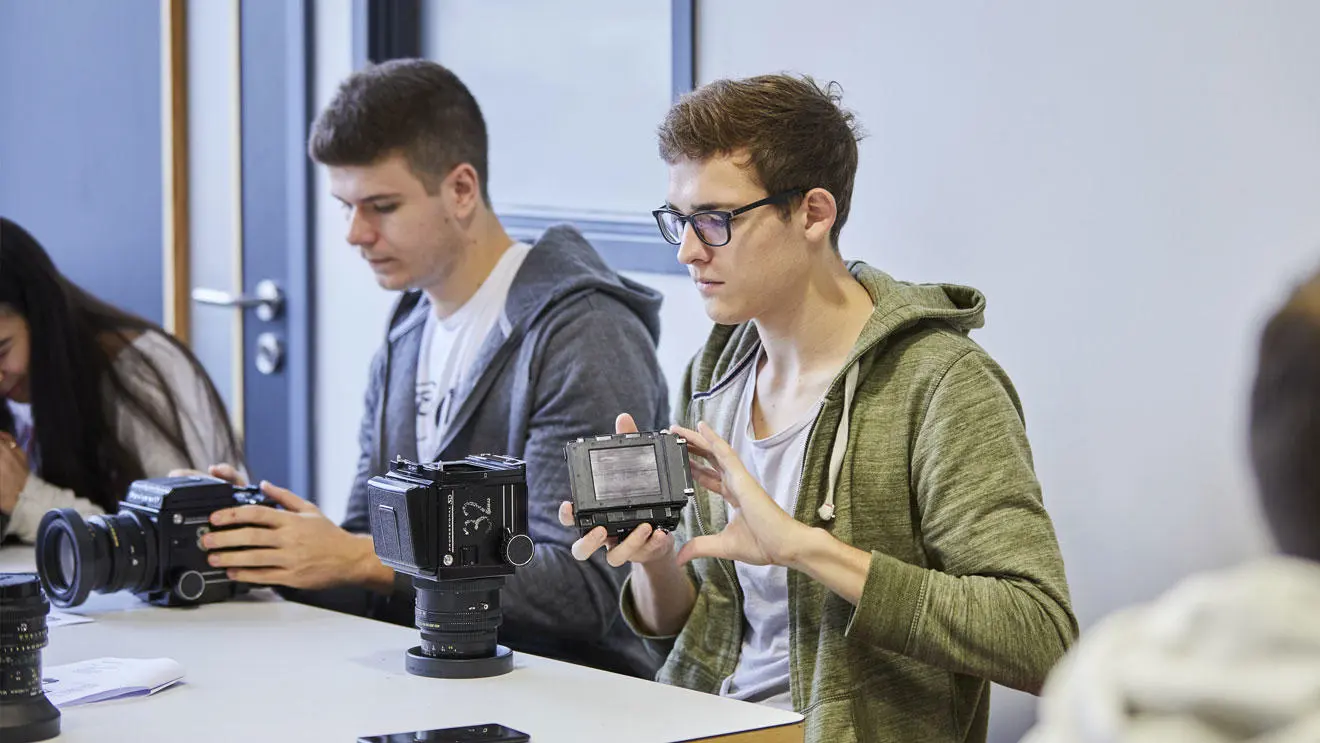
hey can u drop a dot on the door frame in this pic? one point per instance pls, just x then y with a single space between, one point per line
283 62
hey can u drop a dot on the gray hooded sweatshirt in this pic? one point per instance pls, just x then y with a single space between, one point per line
575 347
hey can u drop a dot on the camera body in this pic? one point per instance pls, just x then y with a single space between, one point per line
458 528
625 480
444 521
151 547
181 508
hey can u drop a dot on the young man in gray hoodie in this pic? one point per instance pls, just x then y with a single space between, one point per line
495 346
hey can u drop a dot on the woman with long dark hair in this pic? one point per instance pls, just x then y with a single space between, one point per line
94 397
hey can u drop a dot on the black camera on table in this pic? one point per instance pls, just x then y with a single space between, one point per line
152 547
623 481
458 528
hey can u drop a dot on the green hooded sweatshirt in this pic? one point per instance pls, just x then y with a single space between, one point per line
920 452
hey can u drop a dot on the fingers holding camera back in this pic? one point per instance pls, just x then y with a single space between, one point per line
593 540
644 544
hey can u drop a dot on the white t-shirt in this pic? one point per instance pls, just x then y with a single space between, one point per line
762 674
450 345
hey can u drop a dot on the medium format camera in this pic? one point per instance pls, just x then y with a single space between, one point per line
26 714
623 481
152 547
458 528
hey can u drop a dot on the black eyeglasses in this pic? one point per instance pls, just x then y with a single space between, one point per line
711 226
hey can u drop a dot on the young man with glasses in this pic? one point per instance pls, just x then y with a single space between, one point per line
869 547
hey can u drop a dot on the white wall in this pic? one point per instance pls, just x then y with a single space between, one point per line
571 91
1132 184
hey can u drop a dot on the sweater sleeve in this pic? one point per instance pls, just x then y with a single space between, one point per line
38 497
995 603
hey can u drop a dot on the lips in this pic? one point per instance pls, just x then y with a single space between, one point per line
706 286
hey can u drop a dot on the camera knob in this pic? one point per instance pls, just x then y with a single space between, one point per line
190 585
518 549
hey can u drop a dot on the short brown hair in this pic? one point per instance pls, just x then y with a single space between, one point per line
410 106
1285 422
794 131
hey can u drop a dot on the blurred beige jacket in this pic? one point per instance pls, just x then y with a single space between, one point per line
1223 657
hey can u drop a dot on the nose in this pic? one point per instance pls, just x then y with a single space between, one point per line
691 249
361 233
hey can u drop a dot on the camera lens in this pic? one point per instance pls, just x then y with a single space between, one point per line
108 553
460 618
25 712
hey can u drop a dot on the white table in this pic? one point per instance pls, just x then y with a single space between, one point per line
263 669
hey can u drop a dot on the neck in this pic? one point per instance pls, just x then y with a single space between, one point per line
481 246
816 333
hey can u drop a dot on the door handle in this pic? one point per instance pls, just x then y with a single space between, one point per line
268 299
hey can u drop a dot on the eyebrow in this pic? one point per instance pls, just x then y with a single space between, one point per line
705 207
372 199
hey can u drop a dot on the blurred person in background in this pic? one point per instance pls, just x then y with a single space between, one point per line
94 397
1229 656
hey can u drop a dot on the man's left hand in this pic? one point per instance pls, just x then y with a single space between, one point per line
297 547
759 531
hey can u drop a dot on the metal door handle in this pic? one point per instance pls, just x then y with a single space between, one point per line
268 300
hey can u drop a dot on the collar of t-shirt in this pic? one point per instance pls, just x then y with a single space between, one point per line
450 345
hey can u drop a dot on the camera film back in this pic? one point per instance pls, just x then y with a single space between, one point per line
625 480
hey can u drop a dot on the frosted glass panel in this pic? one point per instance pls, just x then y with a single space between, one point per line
572 92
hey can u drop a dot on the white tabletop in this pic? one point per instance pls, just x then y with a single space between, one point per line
263 669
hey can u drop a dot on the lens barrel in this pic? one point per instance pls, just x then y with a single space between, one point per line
459 621
26 714
106 553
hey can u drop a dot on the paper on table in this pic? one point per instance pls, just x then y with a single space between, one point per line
100 679
62 618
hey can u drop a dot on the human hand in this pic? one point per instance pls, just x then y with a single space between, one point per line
297 547
13 472
759 532
645 544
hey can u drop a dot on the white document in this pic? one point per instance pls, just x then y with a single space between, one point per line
100 679
62 618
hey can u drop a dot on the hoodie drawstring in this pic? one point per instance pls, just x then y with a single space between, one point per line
840 442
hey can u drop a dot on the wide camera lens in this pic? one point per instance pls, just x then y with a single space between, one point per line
25 712
108 553
460 618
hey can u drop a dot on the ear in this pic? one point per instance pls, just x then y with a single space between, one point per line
463 188
820 210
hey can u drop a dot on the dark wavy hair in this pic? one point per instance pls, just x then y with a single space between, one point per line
77 390
1285 422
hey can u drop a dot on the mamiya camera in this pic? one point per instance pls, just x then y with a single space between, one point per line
152 547
458 528
623 481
